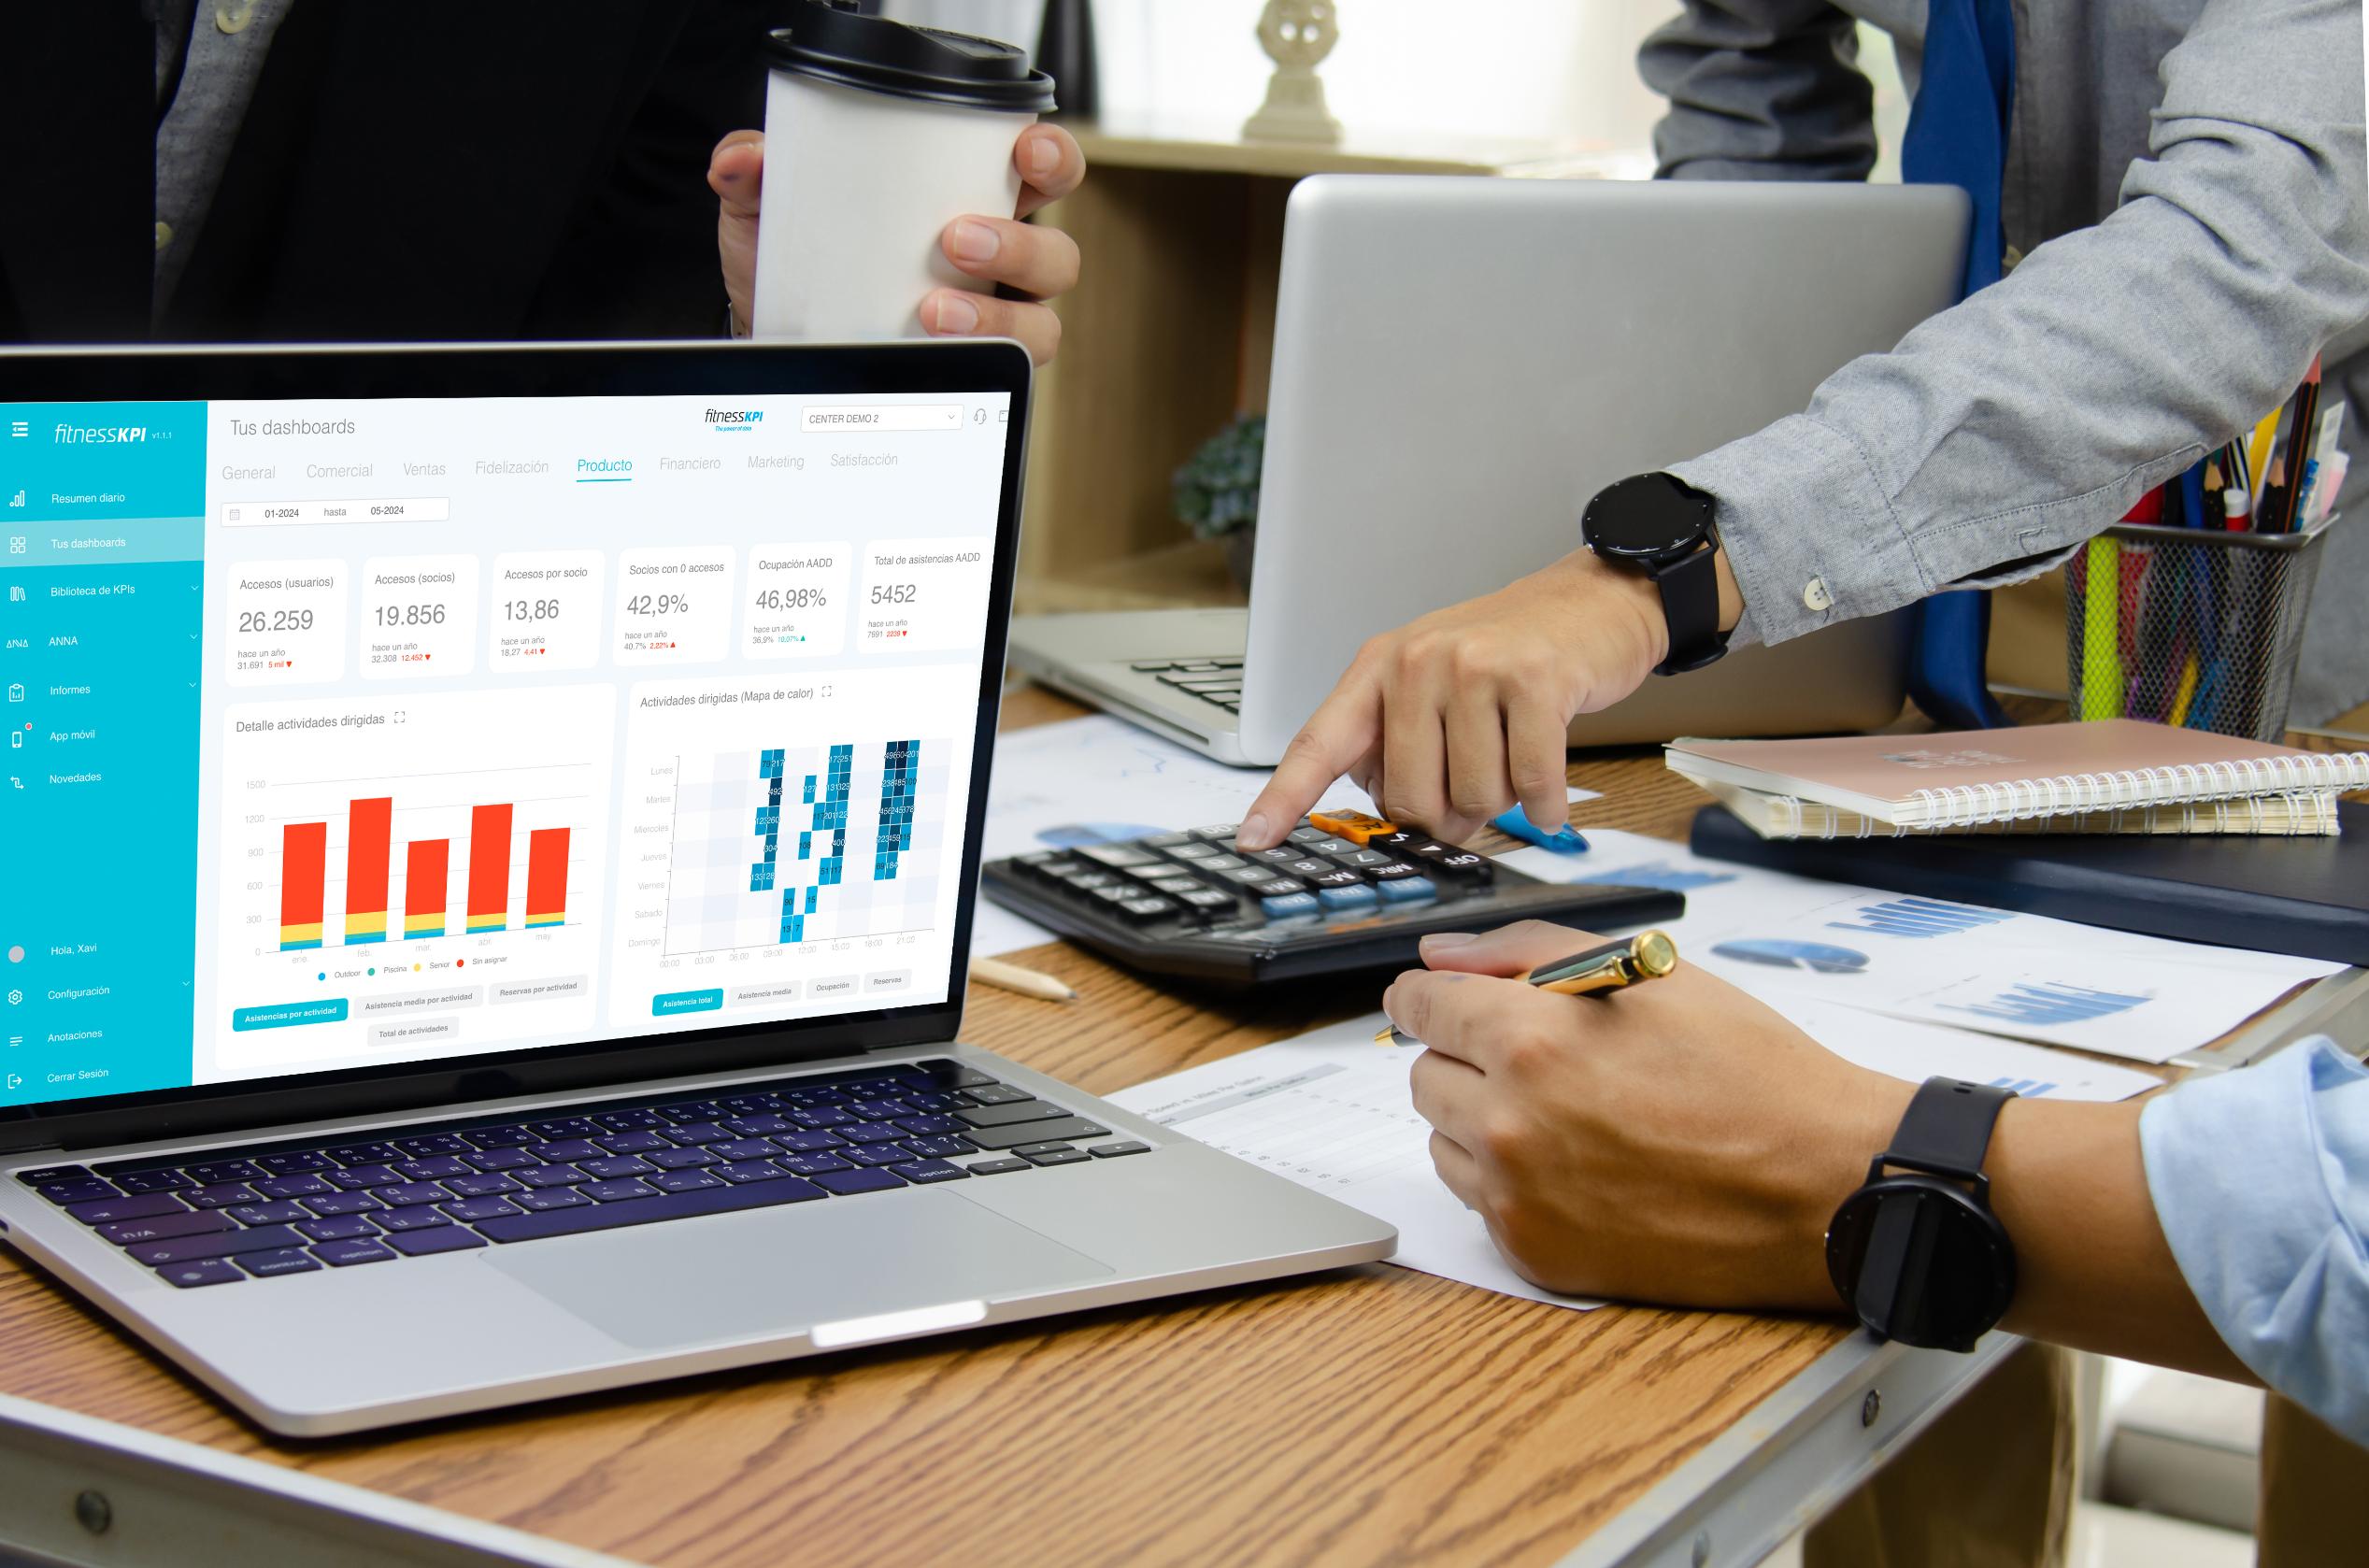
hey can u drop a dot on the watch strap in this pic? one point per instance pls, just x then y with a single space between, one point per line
1946 1128
1690 605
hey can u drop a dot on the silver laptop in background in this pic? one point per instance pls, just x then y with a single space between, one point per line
1459 364
490 876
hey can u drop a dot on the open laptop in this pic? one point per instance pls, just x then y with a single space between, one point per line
1458 365
491 838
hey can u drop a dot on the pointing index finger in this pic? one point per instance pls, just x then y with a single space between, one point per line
1343 731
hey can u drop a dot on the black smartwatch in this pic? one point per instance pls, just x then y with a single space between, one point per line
1918 1256
1658 524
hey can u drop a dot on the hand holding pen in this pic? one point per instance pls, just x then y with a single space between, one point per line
1607 967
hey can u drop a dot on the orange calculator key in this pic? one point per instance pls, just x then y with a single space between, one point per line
1356 826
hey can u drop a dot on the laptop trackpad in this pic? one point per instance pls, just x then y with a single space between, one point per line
771 1271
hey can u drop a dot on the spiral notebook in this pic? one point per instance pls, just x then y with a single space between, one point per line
2302 814
1964 779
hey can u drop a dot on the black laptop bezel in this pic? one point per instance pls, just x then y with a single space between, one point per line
716 369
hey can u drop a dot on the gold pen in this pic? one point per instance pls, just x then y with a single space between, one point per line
1647 956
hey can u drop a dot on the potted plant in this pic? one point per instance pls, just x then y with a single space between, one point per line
1216 491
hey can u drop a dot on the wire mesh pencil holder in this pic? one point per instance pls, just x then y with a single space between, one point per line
2187 626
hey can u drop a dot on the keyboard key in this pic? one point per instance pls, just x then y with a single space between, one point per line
452 1239
563 1127
665 1206
435 1168
923 1171
188 1275
222 1196
1058 1157
548 1175
684 1181
1033 1132
822 1116
470 1210
616 1191
1410 890
568 1150
277 1187
290 1259
420 1217
938 1148
354 1178
302 1162
813 1164
637 1142
871 1132
342 1229
759 1104
344 1254
636 1118
691 1158
931 1126
107 1211
739 1149
54 1176
742 1172
947 1076
361 1154
877 1154
557 1197
696 1134
342 1203
848 1183
1290 907
404 1194
1010 1113
165 1227
1112 1151
426 1145
1357 895
494 1160
481 1185
221 1244
684 1112
997 1167
222 1172
808 1142
499 1137
879 1109
999 1094
619 1167
136 1182
1049 1147
281 1213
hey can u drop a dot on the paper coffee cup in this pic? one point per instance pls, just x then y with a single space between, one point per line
877 135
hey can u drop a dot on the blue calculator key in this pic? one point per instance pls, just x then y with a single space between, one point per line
1408 889
1290 907
1353 896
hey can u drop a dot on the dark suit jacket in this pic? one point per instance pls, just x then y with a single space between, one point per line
498 169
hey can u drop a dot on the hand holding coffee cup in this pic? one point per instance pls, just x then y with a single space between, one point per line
894 153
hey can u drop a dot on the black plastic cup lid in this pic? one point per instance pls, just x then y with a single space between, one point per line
831 42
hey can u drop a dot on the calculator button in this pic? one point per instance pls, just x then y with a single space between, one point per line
1116 855
1356 826
1408 889
1221 863
1207 898
1465 865
1390 869
1228 661
1193 849
1311 835
1278 887
1218 832
1338 877
1152 667
1277 855
1151 873
1340 849
1366 858
1044 862
1116 893
1249 876
1356 896
1164 840
1290 907
1147 908
1398 843
1175 887
1308 867
1086 881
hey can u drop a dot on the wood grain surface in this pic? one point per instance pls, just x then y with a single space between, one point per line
1369 1416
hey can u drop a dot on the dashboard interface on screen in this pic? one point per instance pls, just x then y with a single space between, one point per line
347 735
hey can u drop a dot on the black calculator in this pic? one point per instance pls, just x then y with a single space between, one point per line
1345 893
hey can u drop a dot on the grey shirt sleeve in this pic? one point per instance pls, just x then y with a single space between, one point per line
2033 415
1760 90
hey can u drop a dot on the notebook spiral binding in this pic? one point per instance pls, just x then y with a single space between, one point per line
1969 805
2307 813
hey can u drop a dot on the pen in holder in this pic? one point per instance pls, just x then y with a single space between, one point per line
2189 626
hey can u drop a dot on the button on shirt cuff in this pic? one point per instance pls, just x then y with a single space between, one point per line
2260 1181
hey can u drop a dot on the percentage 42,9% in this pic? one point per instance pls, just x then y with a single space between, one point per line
658 603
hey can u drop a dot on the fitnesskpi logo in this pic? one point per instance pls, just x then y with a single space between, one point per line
99 435
734 418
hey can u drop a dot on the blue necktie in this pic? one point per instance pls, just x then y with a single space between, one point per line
1957 136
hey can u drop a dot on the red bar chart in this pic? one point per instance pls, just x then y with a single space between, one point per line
304 855
369 840
427 868
489 868
546 877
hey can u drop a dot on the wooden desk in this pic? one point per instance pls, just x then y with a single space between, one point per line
1370 1416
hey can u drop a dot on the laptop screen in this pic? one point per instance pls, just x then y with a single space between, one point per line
374 732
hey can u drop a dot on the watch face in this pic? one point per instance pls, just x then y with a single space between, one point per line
1921 1262
1649 517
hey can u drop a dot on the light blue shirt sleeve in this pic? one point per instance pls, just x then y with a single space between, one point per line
2260 1179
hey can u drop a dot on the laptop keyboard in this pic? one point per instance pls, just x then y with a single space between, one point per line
286 1208
1213 680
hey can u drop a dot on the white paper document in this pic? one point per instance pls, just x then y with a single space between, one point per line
1333 1111
1095 779
2025 976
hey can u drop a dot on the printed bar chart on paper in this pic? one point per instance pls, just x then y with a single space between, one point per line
395 861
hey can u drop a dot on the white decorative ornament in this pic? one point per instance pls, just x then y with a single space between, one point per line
1297 35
